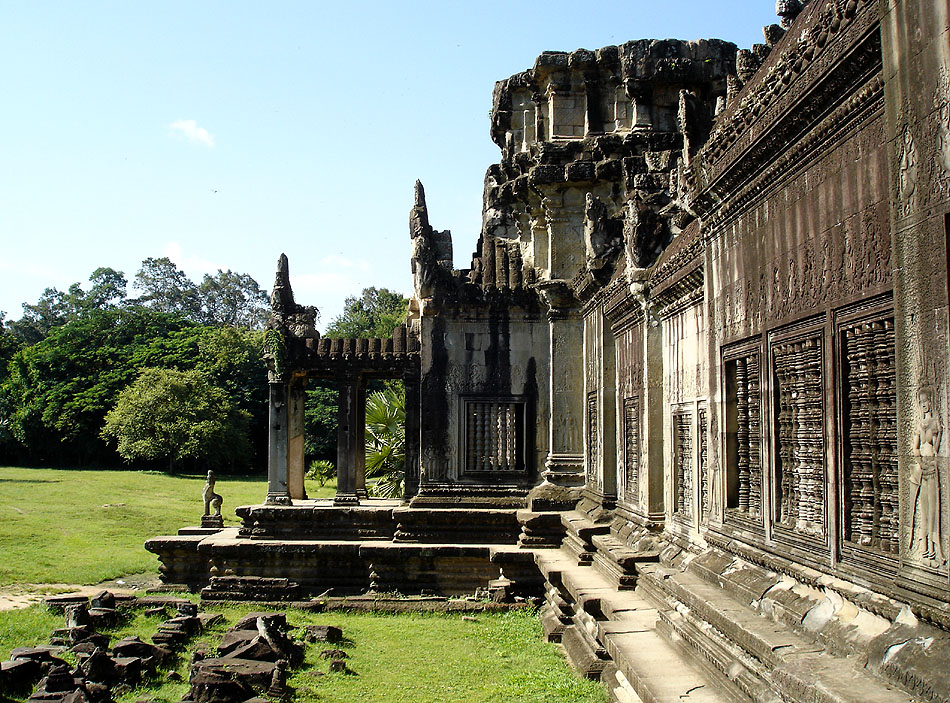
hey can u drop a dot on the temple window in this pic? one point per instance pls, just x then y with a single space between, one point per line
494 434
743 439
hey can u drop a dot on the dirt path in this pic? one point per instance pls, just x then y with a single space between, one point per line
23 595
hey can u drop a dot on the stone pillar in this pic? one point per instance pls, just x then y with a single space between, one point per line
565 462
348 428
296 469
277 488
413 426
359 440
916 50
651 473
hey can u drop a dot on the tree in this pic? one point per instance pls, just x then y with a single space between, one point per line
174 415
386 442
58 390
233 299
56 308
376 313
166 288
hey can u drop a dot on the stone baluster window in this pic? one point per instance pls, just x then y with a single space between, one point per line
870 435
743 434
799 436
494 435
631 449
683 465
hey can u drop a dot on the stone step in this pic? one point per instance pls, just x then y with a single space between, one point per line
645 666
762 657
617 561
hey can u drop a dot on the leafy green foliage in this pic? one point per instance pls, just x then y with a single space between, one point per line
226 298
63 364
233 299
174 415
320 422
376 313
166 289
56 308
59 390
386 442
322 471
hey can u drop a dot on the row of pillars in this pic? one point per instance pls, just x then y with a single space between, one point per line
285 462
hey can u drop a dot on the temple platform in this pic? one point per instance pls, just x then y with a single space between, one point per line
317 546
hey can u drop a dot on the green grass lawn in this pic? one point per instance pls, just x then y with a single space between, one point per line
407 658
85 526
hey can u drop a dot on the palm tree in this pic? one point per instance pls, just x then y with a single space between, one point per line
386 442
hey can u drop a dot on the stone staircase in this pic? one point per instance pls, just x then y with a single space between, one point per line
661 624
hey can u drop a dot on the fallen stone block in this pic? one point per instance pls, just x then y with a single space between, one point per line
227 680
19 674
323 633
258 649
151 655
58 604
249 621
103 599
128 669
103 617
234 639
98 666
207 620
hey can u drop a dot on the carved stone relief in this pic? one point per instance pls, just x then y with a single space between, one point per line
925 483
940 182
703 465
871 499
631 449
593 440
799 461
907 166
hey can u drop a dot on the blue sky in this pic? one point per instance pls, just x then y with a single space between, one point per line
221 134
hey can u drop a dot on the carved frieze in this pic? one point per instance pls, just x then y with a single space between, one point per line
800 452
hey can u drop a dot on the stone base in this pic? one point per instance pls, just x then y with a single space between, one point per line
465 495
551 497
254 588
346 499
214 521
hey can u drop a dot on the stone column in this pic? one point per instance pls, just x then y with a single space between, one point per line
651 473
296 469
348 428
413 398
565 463
277 489
359 440
916 50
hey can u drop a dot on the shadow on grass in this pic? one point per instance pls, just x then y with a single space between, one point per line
30 480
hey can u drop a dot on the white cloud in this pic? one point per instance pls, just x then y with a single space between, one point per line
190 130
191 264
